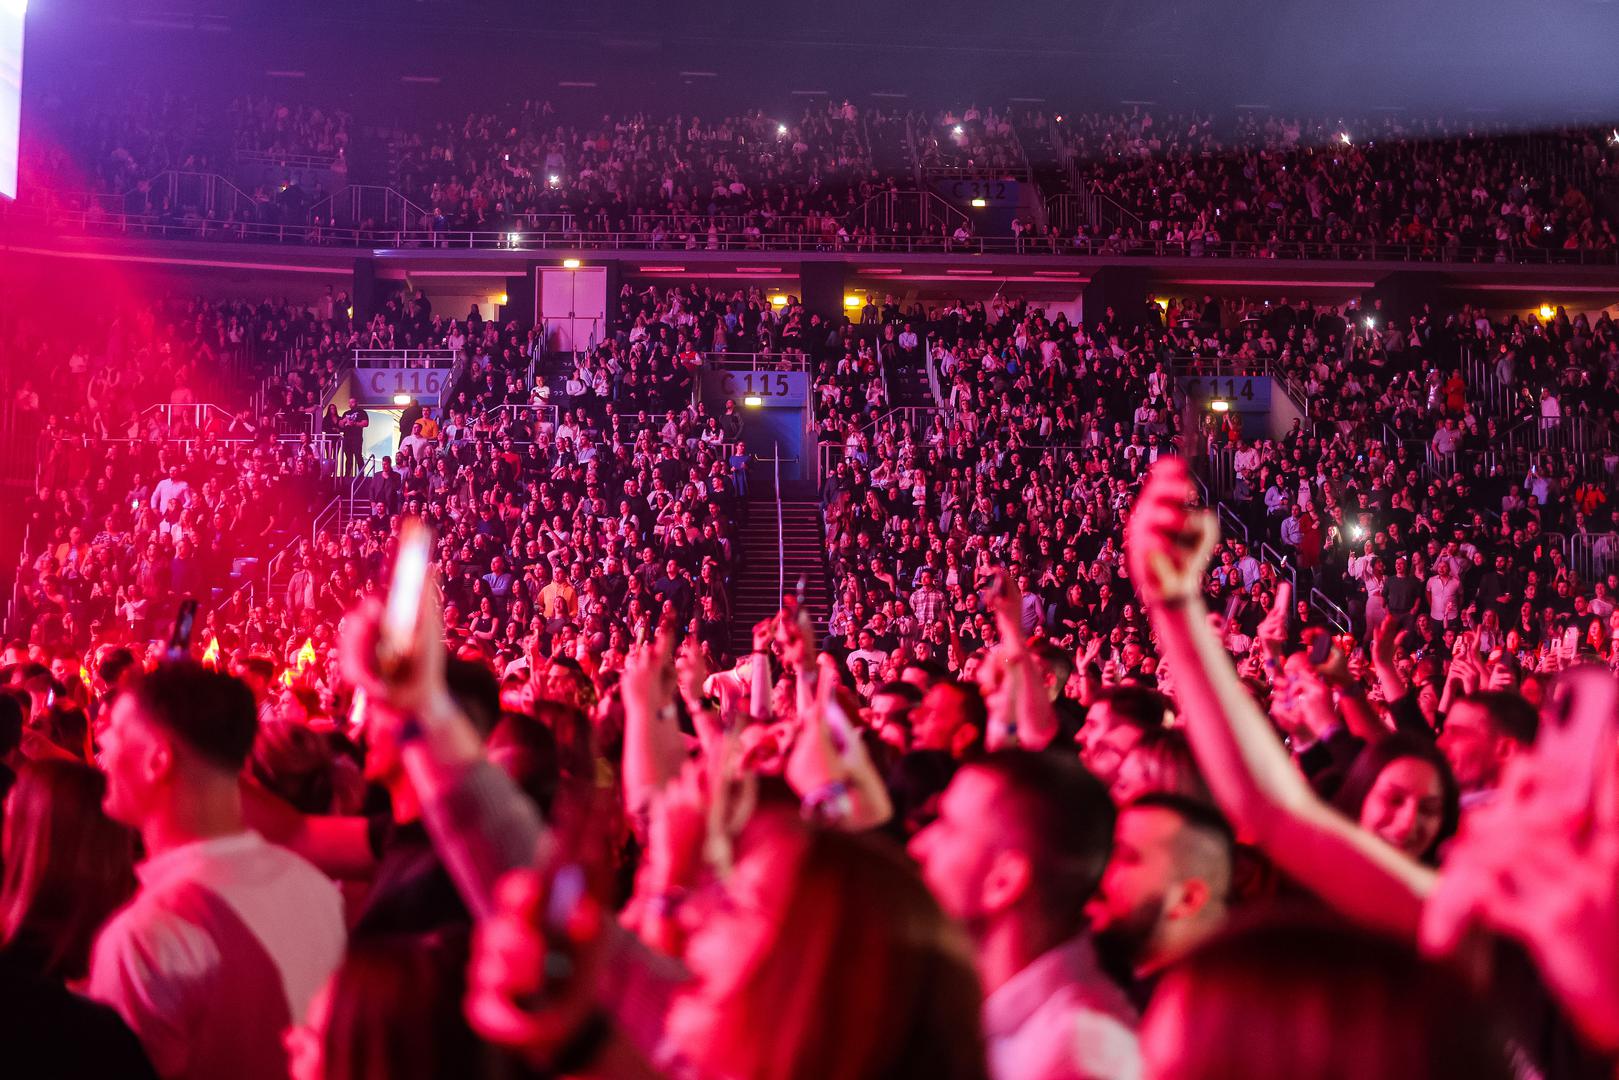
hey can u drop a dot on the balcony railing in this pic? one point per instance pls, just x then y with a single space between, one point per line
109 224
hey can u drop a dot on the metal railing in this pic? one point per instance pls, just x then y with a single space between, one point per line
767 361
781 530
494 417
409 358
307 162
879 240
1333 613
1593 555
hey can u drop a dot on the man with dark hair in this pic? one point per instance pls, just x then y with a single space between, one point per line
1016 852
1165 889
229 937
1114 723
1483 731
891 706
952 716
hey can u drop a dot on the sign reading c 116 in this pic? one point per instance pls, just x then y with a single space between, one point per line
774 389
379 386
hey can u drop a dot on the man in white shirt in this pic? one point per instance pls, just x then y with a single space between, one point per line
170 490
1444 591
229 937
868 652
1016 852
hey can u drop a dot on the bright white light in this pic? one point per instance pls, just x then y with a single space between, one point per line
514 238
1343 137
956 130
554 179
781 129
401 399
1371 323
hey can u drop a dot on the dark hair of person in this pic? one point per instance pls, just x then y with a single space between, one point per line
1139 706
394 1011
1375 757
915 782
1165 755
526 750
68 866
934 670
212 713
911 693
861 936
114 664
68 727
476 689
1058 661
1195 813
1062 817
295 763
260 666
1510 714
1326 1000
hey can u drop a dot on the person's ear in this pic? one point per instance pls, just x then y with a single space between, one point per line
966 735
1187 898
1008 881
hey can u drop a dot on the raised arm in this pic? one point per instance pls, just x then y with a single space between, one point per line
481 824
1248 769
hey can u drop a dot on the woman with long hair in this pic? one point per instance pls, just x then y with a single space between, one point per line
392 1011
820 955
1401 790
67 867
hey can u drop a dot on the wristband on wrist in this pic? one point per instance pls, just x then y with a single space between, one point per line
828 804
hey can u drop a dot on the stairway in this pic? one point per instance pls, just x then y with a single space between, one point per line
908 386
754 592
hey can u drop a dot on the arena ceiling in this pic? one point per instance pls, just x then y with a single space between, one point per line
1548 61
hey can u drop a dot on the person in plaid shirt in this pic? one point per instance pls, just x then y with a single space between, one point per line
928 600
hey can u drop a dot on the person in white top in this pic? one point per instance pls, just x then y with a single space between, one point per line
170 490
1444 592
229 937
1017 851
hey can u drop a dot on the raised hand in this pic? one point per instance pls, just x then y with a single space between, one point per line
1272 632
648 680
1168 542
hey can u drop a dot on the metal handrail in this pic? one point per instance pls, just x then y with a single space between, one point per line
766 361
324 162
781 531
436 357
1334 614
112 224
